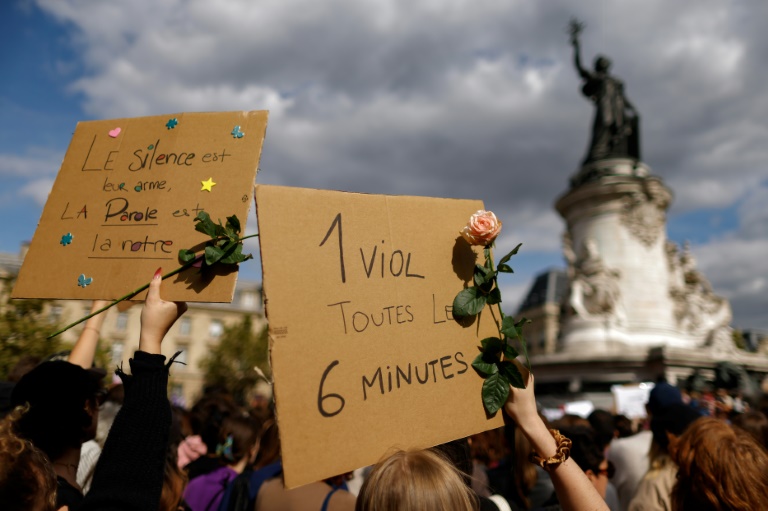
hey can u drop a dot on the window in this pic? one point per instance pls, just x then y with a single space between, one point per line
216 328
249 299
55 314
185 326
117 352
121 323
182 358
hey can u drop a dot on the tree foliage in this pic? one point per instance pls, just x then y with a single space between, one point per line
231 364
24 327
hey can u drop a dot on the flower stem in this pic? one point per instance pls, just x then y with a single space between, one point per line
125 297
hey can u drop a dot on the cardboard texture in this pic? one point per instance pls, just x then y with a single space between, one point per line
127 193
365 353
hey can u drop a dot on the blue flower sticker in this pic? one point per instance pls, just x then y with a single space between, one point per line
84 281
237 133
66 239
171 123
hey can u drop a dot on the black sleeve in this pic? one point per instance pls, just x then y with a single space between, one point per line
129 474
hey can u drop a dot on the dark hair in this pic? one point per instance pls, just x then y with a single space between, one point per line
623 426
754 423
269 445
207 416
22 366
586 451
675 419
603 425
238 436
27 478
58 394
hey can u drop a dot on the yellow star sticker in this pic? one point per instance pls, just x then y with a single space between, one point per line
208 185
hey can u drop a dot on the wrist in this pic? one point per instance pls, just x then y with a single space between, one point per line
150 344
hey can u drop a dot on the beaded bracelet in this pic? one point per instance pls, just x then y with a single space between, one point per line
563 452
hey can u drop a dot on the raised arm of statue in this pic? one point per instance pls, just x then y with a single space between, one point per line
574 28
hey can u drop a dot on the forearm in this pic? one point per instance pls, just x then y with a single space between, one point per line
84 350
574 491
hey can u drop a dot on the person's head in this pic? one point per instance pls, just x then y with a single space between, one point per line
590 457
623 426
755 423
238 439
269 444
671 423
603 425
27 479
662 396
415 480
718 468
24 365
63 401
602 63
208 414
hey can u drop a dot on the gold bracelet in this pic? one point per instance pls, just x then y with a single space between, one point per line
563 452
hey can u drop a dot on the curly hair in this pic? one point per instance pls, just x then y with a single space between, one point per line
415 480
720 469
27 479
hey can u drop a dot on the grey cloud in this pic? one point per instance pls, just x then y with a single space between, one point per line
476 100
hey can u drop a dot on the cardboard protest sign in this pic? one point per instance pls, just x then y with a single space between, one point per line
125 198
365 353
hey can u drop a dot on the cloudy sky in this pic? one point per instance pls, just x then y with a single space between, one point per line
444 98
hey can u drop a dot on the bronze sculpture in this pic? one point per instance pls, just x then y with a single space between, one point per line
615 129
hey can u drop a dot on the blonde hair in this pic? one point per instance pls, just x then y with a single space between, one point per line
415 480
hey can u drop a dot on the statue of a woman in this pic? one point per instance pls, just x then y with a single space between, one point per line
615 130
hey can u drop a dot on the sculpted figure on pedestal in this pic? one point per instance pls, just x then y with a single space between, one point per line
615 129
594 287
698 310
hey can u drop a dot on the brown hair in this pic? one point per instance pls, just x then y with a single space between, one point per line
237 437
415 480
524 472
719 469
27 479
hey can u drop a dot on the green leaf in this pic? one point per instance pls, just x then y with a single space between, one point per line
509 351
510 371
494 297
212 255
492 345
495 393
236 255
204 224
523 344
509 256
468 302
481 275
186 255
505 268
234 224
508 327
485 364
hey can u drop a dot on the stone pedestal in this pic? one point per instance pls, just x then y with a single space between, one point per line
626 282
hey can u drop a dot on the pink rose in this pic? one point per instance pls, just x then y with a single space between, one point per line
482 228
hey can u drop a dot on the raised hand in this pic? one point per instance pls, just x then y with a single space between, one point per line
157 316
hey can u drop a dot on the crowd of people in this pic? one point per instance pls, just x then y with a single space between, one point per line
67 442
